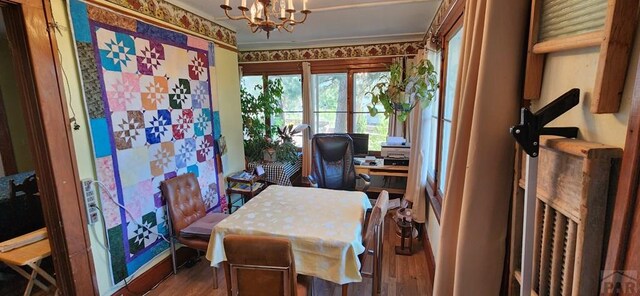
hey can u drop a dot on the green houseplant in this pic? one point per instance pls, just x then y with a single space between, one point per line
399 93
257 134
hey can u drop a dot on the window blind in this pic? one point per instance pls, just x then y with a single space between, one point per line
561 18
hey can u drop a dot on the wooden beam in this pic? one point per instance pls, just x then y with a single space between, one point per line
620 26
626 196
567 43
535 62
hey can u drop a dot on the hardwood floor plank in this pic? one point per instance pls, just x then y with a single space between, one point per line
401 275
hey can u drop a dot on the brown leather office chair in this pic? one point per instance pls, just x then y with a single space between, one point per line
373 242
189 222
332 165
261 265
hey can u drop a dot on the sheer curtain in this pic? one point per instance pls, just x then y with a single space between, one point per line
418 128
476 206
307 118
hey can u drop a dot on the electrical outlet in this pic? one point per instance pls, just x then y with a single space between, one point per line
90 200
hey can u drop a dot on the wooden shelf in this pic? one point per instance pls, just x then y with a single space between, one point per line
390 190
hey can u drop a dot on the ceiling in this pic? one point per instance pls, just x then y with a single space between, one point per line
331 23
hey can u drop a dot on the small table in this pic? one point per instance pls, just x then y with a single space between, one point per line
278 172
247 188
29 255
324 227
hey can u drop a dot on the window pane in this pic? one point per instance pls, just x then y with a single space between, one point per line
363 83
253 84
451 81
446 135
434 57
329 95
377 127
291 92
453 64
330 122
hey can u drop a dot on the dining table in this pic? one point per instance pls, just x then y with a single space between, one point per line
323 225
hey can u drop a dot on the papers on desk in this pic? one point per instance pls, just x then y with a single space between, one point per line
23 240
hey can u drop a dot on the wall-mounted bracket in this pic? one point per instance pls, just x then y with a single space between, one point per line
531 126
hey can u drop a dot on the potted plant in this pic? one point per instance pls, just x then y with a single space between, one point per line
399 93
258 142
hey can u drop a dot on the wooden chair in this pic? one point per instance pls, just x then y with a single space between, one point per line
374 241
261 265
189 222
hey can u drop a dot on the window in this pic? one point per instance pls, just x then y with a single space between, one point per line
338 96
442 110
291 103
377 126
329 97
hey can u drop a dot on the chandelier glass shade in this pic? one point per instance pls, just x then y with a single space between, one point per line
267 15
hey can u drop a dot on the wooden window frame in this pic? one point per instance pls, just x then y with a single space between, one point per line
450 26
615 42
345 66
38 73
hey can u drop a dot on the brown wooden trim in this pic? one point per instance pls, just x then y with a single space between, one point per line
626 197
573 42
431 260
615 52
150 278
452 18
534 62
350 100
272 68
435 200
38 75
6 147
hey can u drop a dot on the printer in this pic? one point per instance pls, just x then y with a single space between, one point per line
396 152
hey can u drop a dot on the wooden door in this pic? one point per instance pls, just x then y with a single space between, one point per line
34 50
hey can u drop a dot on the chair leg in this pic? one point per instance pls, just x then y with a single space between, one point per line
173 256
345 290
215 278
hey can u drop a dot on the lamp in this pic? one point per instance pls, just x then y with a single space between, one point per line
268 15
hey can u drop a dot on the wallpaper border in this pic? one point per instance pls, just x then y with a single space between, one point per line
177 16
334 52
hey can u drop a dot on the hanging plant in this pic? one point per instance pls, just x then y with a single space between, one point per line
399 95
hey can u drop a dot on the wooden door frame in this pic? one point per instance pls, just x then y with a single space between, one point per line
626 212
37 68
6 146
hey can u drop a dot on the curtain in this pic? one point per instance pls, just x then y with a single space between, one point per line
396 127
417 124
307 118
476 203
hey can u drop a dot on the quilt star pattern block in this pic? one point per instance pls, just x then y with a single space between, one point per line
152 117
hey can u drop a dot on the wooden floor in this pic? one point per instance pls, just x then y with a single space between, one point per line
402 275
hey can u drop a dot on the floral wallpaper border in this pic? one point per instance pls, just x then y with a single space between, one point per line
172 14
337 52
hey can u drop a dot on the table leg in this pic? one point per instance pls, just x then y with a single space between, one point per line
345 290
26 275
42 272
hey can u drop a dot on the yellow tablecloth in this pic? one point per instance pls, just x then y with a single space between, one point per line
324 226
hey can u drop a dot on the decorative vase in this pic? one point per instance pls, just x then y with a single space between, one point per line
269 155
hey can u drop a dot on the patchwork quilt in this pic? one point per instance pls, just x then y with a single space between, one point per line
152 116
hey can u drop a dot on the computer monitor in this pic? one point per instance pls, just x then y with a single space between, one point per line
360 144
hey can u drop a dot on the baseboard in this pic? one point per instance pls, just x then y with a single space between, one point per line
147 280
431 261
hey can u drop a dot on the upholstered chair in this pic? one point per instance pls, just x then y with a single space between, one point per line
189 222
332 165
261 265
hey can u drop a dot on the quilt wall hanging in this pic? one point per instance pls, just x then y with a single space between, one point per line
152 116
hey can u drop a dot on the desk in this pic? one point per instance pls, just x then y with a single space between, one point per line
385 171
30 255
324 227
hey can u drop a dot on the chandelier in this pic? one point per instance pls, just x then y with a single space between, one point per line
267 15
